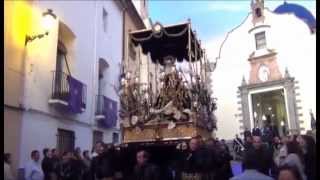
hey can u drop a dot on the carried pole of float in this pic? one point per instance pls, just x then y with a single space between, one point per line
190 58
205 65
195 52
139 85
127 63
156 77
148 71
189 49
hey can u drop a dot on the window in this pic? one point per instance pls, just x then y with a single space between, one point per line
258 12
260 40
115 138
97 136
65 140
105 19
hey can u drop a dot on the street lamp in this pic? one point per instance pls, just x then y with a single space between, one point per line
48 18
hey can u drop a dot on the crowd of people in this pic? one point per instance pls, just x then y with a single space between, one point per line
291 157
286 158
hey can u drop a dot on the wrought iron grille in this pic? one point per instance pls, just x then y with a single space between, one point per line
61 88
65 140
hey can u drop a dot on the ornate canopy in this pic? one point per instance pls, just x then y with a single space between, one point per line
175 40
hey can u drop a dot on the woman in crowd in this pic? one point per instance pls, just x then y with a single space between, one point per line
294 158
308 146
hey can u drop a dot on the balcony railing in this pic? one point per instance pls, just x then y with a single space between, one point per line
106 111
61 90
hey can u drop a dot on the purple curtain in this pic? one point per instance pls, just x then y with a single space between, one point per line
110 112
75 95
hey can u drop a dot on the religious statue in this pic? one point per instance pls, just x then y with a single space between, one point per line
173 98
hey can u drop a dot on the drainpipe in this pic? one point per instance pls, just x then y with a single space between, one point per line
123 33
123 54
94 67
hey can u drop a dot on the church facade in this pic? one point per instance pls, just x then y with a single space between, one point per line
266 71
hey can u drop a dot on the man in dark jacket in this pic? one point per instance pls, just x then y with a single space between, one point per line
265 155
101 165
87 164
79 164
144 170
55 163
68 169
211 165
47 164
194 161
223 158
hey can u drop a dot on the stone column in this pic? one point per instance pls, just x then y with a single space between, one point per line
291 104
245 107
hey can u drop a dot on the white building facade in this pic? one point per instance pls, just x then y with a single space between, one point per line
85 42
266 69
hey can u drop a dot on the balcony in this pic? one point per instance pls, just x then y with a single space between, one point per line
106 111
68 93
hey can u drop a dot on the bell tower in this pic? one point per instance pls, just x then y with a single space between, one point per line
257 8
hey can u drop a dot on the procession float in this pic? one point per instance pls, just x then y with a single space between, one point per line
179 105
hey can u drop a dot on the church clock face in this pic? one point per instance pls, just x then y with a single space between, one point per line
264 73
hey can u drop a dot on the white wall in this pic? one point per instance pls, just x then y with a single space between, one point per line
43 60
84 19
90 44
109 46
291 39
40 131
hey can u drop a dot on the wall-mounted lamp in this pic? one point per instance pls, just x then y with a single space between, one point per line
48 18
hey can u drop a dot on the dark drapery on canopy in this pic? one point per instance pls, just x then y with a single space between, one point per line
168 40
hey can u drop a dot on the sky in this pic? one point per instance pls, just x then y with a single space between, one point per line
211 19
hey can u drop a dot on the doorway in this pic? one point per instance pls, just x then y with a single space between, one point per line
270 108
